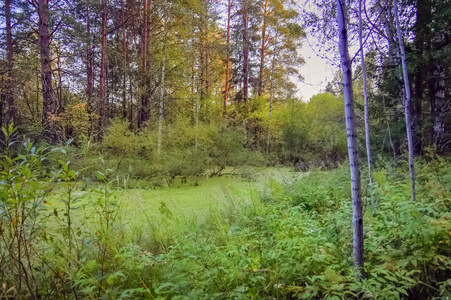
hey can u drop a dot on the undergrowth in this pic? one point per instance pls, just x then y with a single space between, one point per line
292 241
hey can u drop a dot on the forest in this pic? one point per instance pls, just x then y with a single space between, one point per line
164 149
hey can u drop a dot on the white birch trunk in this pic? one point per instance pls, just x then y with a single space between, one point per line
406 99
357 216
365 96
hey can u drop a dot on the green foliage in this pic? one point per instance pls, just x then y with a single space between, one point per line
293 241
186 151
314 133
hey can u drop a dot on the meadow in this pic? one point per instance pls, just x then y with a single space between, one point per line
255 233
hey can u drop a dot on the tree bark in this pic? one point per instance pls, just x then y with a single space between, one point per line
46 68
226 92
263 49
357 217
246 54
438 93
207 50
89 62
365 96
162 87
124 76
406 99
145 109
10 64
271 91
439 105
102 68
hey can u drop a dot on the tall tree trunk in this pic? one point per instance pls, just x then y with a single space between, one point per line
263 48
107 88
130 106
365 96
196 111
102 69
46 67
357 216
226 92
418 115
145 109
59 89
162 86
9 57
271 94
438 109
438 94
271 91
406 99
124 76
207 50
197 102
246 54
386 19
89 62
422 32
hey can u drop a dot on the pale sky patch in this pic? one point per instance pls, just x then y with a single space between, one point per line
317 71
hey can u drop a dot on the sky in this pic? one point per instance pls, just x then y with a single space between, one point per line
317 71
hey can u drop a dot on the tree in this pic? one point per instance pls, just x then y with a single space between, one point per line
145 101
102 68
46 67
10 64
162 83
406 99
226 92
124 75
265 13
357 216
244 9
89 60
365 95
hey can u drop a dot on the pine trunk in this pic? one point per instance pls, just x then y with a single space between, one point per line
145 109
102 69
357 216
46 67
89 61
246 55
9 57
263 48
226 91
124 50
207 50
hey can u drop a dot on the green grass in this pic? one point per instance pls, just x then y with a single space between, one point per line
195 198
282 235
188 198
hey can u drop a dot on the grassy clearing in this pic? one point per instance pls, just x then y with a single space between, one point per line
199 195
281 235
195 197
